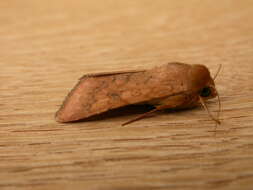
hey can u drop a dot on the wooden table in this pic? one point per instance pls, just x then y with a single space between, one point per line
47 45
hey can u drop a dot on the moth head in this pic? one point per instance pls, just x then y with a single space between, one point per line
208 91
200 81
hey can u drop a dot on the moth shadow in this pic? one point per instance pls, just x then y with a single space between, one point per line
124 111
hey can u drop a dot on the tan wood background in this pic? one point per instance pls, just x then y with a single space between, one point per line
47 45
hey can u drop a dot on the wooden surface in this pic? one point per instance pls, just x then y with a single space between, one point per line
47 45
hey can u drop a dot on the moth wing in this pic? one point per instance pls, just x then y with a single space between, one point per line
74 107
100 92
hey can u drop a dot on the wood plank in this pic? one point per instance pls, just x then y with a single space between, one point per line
47 45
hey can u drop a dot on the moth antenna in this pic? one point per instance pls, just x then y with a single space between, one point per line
219 111
207 110
218 96
218 114
140 117
217 72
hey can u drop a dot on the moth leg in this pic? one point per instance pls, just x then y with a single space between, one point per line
169 102
146 114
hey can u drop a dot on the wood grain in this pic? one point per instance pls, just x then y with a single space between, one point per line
47 45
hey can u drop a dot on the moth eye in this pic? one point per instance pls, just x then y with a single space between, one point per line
205 92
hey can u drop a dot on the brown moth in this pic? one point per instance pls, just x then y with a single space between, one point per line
173 85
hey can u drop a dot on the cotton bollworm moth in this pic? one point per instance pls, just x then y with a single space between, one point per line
173 85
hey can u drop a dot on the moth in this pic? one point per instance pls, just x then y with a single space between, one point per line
170 86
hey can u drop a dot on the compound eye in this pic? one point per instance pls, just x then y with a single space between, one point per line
205 92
